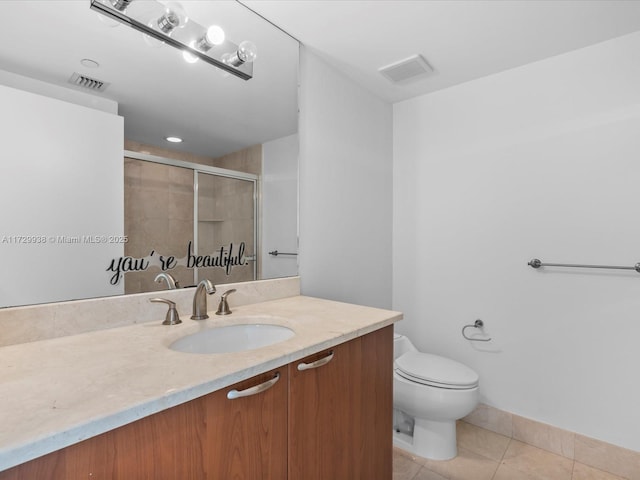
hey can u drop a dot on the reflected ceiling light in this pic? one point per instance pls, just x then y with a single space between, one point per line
170 25
173 139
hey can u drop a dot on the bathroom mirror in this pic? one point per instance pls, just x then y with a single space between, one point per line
158 94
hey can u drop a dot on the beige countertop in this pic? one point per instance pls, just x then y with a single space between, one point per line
60 391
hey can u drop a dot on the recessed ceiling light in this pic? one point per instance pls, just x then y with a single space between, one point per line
173 139
87 62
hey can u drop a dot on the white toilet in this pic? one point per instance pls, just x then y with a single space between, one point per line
430 393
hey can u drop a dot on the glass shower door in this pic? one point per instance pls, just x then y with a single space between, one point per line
225 233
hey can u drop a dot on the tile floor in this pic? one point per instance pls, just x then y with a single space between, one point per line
485 455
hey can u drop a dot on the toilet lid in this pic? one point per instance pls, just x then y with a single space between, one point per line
435 370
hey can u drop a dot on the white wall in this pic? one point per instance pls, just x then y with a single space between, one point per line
540 161
345 188
280 206
61 174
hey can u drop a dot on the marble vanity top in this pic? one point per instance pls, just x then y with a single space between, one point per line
60 391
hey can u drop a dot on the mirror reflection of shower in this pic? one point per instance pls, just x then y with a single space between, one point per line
179 208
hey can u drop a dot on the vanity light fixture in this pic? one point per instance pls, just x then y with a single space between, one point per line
169 24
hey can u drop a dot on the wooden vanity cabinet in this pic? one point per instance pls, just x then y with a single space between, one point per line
331 422
247 436
211 437
340 411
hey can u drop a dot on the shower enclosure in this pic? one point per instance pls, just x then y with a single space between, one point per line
190 220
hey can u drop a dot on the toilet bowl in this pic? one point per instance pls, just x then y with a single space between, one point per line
430 393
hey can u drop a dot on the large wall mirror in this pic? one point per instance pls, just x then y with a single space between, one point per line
96 201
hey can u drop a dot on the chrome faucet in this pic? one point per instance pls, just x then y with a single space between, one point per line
200 299
171 282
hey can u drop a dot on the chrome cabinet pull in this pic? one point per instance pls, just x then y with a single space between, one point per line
317 363
253 390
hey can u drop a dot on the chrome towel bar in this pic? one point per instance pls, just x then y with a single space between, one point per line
535 263
477 324
275 253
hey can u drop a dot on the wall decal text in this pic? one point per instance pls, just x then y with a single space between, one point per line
225 257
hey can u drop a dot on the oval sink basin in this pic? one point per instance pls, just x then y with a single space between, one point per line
232 338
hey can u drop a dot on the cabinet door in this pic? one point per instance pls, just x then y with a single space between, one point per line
247 435
211 437
340 411
163 446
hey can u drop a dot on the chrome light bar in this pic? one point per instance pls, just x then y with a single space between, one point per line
142 15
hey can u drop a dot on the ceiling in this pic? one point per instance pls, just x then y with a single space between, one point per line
461 39
158 93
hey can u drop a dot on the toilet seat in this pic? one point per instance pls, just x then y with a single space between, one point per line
435 371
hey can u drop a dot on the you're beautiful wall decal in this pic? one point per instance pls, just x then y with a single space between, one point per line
225 257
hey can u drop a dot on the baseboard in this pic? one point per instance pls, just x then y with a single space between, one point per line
589 451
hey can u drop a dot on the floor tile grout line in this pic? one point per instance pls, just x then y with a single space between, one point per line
502 458
424 467
415 474
496 471
510 439
506 450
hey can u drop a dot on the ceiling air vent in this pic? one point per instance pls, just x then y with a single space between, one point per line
406 70
87 82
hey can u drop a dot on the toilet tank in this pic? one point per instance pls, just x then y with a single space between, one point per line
401 345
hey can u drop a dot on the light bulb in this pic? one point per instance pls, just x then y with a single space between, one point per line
174 17
188 56
247 51
214 36
120 5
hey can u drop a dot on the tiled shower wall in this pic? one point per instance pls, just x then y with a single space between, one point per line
159 213
225 216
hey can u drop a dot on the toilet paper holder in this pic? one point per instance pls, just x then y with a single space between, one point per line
477 324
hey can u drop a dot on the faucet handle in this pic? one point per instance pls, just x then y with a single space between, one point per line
223 306
172 317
